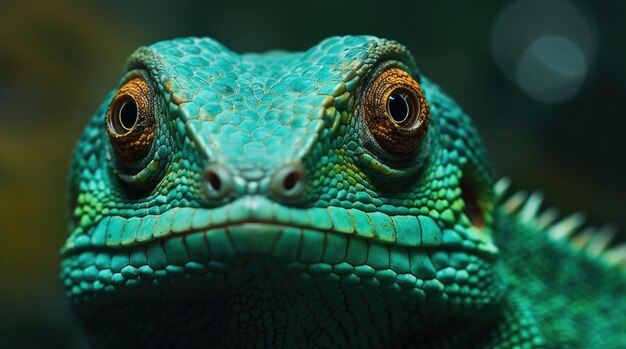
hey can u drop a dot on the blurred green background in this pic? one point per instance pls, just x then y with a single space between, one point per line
545 82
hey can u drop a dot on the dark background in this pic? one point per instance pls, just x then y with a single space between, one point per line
545 82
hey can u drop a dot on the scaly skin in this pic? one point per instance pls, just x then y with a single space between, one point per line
258 210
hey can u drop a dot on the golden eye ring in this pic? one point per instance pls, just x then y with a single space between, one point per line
130 120
395 111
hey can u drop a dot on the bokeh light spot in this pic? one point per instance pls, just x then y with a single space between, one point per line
551 69
545 46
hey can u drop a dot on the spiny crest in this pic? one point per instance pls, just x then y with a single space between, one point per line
595 242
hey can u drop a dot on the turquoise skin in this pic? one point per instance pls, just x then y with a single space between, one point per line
265 213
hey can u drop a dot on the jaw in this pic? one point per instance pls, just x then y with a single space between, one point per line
254 302
263 307
254 282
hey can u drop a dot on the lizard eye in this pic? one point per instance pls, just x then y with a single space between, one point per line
401 106
395 111
130 120
124 116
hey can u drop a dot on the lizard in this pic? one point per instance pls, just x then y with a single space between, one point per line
334 197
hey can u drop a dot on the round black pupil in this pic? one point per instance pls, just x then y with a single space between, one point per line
398 106
128 114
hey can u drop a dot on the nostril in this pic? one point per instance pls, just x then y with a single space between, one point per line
216 181
213 180
288 183
293 180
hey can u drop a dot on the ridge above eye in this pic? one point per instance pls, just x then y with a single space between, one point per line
395 111
130 120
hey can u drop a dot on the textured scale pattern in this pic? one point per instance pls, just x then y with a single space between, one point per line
370 250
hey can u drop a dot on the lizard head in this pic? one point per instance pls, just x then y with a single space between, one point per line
340 171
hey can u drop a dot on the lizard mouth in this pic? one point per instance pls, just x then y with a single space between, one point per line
253 235
258 222
285 244
229 254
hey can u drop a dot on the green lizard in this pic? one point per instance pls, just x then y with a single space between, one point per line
328 198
